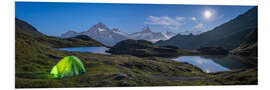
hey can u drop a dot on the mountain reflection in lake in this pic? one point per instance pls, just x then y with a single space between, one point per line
215 63
100 50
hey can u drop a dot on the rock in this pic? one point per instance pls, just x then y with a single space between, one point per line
120 76
124 83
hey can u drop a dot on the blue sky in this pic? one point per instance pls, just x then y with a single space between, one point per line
57 18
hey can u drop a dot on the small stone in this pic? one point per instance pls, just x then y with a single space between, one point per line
120 76
124 83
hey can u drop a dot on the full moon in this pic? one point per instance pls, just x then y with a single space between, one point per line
207 14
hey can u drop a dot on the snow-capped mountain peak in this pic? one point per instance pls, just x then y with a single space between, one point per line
103 34
117 31
170 34
146 29
167 37
69 34
147 34
100 25
100 29
110 37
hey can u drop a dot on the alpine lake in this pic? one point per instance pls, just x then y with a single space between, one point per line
208 63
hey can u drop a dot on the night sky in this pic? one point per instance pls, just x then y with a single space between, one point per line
57 18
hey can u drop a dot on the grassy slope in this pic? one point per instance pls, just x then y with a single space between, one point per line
249 47
71 42
34 61
35 58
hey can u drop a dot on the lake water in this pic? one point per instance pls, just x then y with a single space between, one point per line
100 50
206 63
215 63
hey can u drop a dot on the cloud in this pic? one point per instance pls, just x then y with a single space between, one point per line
180 18
200 25
193 18
171 23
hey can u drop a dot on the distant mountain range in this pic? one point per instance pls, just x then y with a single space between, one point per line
228 35
110 37
147 34
69 34
103 34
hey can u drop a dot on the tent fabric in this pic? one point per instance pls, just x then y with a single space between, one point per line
69 66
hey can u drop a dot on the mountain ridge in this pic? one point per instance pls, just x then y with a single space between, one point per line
110 37
26 33
147 34
228 35
26 28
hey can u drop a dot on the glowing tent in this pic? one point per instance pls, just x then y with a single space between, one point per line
67 67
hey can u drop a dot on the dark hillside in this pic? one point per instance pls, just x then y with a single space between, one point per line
249 47
228 35
25 30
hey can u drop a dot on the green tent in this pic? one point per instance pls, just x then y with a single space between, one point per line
67 67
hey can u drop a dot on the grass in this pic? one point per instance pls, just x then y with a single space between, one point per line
35 59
